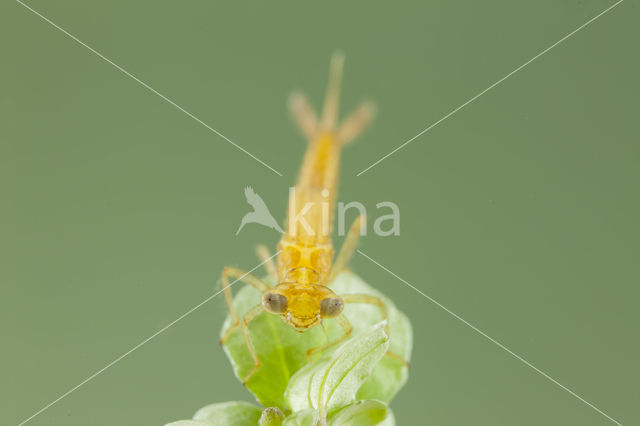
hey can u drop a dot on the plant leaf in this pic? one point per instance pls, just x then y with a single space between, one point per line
390 374
271 416
234 413
307 417
362 413
332 381
189 423
282 350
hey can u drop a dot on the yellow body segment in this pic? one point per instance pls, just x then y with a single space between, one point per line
306 249
306 252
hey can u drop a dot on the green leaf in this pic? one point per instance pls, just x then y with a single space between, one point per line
271 416
302 418
362 413
234 413
391 373
332 381
189 423
282 350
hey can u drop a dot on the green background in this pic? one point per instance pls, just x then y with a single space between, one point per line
519 213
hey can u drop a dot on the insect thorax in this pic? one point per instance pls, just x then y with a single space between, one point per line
304 263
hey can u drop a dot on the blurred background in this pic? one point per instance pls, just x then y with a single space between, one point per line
519 213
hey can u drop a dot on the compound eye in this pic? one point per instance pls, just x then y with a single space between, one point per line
331 307
274 303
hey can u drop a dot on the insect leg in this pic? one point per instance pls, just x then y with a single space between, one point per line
238 274
376 301
346 326
246 319
250 316
265 256
348 248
